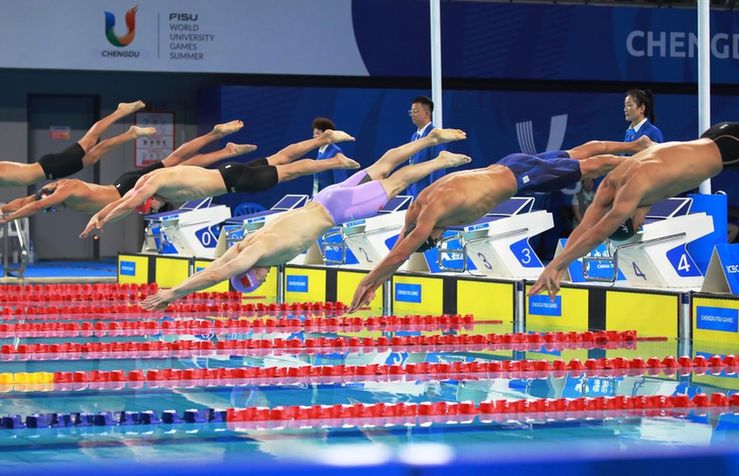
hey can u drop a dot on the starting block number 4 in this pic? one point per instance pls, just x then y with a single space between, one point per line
682 262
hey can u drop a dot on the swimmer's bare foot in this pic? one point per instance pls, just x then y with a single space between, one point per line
453 160
130 107
441 136
142 131
227 128
334 137
643 142
239 149
345 162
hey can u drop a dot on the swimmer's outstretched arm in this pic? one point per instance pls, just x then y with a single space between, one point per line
227 266
16 204
35 206
94 223
601 223
128 203
403 249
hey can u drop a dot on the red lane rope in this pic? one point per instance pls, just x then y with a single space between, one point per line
469 409
201 326
235 347
605 367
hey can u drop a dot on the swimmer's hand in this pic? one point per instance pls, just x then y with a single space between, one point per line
158 301
363 295
93 226
548 280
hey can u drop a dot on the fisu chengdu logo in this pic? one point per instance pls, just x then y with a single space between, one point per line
121 41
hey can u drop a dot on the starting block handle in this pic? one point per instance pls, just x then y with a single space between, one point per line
441 246
325 247
614 258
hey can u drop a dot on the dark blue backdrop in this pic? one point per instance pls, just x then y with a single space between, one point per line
276 116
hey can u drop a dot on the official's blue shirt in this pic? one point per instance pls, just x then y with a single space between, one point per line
646 129
329 177
423 156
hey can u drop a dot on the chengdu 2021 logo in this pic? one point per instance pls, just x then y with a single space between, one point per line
123 40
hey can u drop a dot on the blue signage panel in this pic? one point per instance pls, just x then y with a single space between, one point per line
525 255
682 262
717 319
541 305
408 292
297 283
128 268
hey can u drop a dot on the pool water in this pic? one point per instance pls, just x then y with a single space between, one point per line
500 435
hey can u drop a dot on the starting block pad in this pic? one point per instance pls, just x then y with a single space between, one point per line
498 243
368 240
237 228
191 231
658 256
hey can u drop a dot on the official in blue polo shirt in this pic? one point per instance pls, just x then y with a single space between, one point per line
323 179
639 111
420 112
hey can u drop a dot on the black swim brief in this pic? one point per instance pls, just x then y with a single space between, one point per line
254 176
127 181
64 163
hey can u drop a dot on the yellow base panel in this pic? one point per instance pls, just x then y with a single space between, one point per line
346 284
574 313
305 285
648 314
723 338
422 295
133 269
485 300
170 272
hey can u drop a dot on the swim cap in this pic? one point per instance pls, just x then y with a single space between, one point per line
43 193
245 282
624 231
145 208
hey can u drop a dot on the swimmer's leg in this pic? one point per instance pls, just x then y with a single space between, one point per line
299 149
190 148
106 145
230 151
410 174
92 136
397 155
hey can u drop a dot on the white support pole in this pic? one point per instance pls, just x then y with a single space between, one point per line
704 75
436 61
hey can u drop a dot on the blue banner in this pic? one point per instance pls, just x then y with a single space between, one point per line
541 305
548 42
297 283
717 319
408 292
128 268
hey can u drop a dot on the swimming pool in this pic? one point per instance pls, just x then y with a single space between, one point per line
371 390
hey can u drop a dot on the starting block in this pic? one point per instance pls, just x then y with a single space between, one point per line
658 257
498 243
368 239
237 228
191 230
